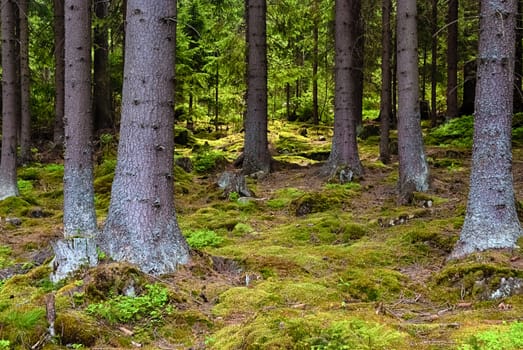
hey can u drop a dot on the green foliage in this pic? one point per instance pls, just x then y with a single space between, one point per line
497 339
208 160
355 335
5 256
456 132
5 344
125 309
203 238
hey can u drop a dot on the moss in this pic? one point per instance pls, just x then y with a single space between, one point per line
112 279
243 300
74 327
371 284
14 206
315 202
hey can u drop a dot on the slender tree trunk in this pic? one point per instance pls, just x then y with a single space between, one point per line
141 225
359 61
103 118
10 111
434 64
344 151
78 248
315 63
385 101
491 219
452 60
256 145
413 168
25 119
59 32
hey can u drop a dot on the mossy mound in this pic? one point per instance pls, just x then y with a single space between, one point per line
74 327
315 202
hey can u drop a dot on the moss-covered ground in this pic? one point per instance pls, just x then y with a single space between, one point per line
305 264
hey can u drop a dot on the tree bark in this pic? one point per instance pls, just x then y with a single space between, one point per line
25 118
491 219
256 144
10 111
141 225
413 168
103 118
59 79
385 101
434 65
452 60
315 62
344 151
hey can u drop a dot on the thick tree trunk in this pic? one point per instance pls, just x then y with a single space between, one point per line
452 60
344 151
491 220
315 62
385 101
518 68
25 125
141 226
10 111
413 168
256 145
103 118
59 32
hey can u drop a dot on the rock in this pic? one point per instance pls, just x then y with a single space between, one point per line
230 181
507 287
185 163
13 221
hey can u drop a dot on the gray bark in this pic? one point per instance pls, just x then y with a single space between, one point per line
344 151
386 77
491 220
413 168
141 226
79 213
59 32
256 144
25 127
452 60
10 112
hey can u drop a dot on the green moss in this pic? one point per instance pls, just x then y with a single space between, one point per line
14 206
455 132
371 284
243 300
241 229
74 327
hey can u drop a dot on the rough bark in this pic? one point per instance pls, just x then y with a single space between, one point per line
315 61
518 67
59 32
413 168
452 60
10 111
491 220
25 118
344 150
385 101
79 215
434 65
103 118
256 144
141 225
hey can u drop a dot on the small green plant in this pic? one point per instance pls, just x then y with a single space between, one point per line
124 309
497 339
5 344
233 196
203 238
101 254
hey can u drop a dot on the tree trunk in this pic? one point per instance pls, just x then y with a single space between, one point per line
452 60
10 111
25 118
315 58
413 168
256 145
78 247
358 63
518 68
491 219
59 32
385 101
141 225
344 151
434 64
103 118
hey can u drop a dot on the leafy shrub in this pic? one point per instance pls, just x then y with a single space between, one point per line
456 132
203 238
125 309
510 339
208 160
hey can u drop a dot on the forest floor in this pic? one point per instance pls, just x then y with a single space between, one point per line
303 264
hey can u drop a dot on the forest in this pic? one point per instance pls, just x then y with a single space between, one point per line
282 174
